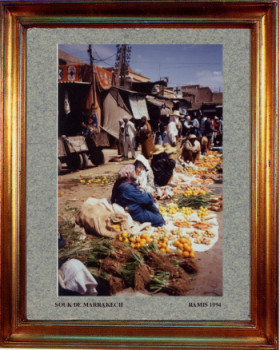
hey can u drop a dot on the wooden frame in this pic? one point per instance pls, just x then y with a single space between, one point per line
261 18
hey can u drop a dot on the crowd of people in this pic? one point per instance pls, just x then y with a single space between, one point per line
192 135
181 141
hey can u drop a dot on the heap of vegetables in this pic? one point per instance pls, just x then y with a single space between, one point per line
121 266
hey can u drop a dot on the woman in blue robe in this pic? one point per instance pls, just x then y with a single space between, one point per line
140 205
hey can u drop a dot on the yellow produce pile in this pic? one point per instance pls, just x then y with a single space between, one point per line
203 212
206 164
193 192
172 209
99 180
186 211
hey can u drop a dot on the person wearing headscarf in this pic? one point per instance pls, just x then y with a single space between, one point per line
140 205
146 137
162 166
145 176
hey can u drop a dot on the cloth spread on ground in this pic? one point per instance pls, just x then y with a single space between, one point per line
98 215
74 276
192 231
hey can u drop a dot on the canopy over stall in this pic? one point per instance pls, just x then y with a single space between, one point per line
119 104
114 109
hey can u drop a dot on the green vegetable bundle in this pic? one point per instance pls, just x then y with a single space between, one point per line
194 202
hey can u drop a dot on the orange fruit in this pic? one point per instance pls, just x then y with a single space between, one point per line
132 239
186 254
148 240
192 254
179 251
180 245
132 245
187 247
120 238
125 234
163 250
138 239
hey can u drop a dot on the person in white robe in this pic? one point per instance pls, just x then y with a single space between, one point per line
129 137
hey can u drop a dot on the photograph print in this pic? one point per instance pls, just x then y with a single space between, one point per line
140 170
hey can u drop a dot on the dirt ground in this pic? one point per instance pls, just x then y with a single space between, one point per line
72 194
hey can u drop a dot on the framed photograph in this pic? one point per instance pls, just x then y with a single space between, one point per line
97 97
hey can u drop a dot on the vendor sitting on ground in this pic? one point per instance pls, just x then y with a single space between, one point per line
140 205
162 166
144 173
191 149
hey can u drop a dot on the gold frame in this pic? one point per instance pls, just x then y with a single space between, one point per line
261 17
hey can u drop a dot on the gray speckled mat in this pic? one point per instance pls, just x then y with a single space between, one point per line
42 179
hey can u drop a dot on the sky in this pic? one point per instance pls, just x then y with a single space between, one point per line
182 64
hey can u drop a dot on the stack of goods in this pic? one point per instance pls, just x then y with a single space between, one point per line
145 269
188 222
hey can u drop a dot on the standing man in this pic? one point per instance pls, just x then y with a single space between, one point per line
158 130
196 126
187 125
202 125
121 138
172 130
219 137
146 137
129 137
209 130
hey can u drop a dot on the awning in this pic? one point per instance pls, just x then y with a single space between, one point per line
163 105
112 113
138 106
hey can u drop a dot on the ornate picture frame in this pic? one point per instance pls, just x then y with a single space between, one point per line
261 19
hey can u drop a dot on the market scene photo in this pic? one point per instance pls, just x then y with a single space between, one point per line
140 170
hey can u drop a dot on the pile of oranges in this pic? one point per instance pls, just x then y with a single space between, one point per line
163 244
183 244
135 242
184 247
